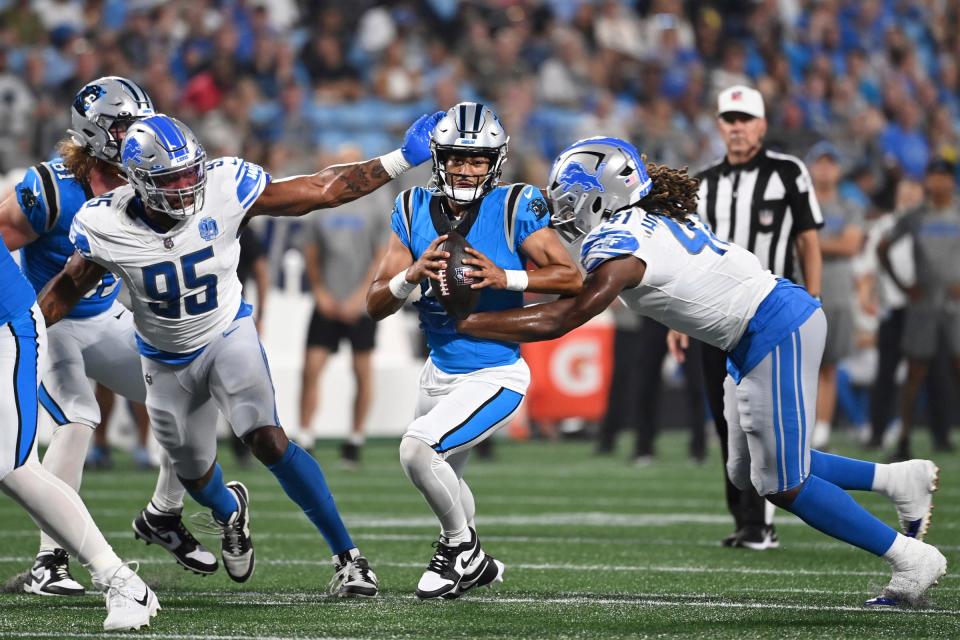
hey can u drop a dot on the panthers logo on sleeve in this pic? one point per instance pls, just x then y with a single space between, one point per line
605 243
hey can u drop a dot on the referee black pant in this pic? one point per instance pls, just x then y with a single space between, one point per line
747 507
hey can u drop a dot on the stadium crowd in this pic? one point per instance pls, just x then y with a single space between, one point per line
289 84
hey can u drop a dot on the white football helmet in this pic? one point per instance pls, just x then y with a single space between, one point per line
166 165
591 179
470 129
102 111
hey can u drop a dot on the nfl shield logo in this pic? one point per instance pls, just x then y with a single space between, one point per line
168 243
461 275
765 217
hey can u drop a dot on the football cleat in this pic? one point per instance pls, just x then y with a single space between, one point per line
352 576
910 581
236 545
50 575
757 538
488 571
448 566
167 530
130 602
913 484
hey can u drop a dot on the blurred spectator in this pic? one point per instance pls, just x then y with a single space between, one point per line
933 316
341 253
841 239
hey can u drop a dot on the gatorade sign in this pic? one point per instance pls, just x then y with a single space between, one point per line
570 376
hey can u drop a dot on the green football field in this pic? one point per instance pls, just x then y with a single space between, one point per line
594 548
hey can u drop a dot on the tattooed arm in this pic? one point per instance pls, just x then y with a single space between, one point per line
329 188
342 183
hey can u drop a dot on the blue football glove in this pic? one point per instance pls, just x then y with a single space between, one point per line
416 141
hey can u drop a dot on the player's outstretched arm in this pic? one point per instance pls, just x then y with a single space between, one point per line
342 183
398 275
66 289
552 320
16 230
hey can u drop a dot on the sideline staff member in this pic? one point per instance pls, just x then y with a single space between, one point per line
763 201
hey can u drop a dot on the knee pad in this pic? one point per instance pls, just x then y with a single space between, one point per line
738 470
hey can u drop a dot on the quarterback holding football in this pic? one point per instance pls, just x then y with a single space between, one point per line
465 235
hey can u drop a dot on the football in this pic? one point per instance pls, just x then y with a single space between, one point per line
453 290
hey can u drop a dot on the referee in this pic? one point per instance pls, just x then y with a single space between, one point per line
764 201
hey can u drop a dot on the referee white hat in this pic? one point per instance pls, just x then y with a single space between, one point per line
741 99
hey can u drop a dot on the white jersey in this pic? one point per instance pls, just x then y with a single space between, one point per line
183 283
693 282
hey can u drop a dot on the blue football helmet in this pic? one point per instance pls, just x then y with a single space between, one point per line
101 113
591 179
166 165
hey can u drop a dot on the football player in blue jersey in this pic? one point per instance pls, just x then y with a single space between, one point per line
646 244
172 237
468 387
51 503
96 340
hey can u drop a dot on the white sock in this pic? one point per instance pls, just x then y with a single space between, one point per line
57 508
769 510
356 439
64 459
468 503
881 479
168 494
899 551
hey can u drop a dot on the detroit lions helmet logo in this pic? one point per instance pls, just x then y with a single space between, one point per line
87 96
575 174
132 152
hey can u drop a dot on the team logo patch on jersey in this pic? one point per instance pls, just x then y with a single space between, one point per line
538 207
575 174
765 217
208 229
168 243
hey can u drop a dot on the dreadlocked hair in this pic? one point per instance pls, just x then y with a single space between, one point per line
673 193
81 163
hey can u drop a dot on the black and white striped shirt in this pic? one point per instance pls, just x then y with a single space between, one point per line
761 205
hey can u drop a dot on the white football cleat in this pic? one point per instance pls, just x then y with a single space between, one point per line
922 569
448 566
130 602
913 484
487 573
236 544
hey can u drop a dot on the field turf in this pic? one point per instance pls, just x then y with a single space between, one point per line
594 548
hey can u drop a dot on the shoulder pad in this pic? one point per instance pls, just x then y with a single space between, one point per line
405 204
518 198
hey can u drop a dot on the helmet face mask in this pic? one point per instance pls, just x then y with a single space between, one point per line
466 131
101 113
590 180
166 165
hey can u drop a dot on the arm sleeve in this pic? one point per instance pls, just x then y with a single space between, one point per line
803 201
33 198
605 243
532 214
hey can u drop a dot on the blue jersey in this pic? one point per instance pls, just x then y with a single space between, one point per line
16 294
50 197
496 226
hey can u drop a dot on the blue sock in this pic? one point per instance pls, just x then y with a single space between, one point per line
216 496
301 478
828 508
846 473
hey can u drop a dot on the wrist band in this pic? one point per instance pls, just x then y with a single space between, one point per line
517 279
399 286
394 163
